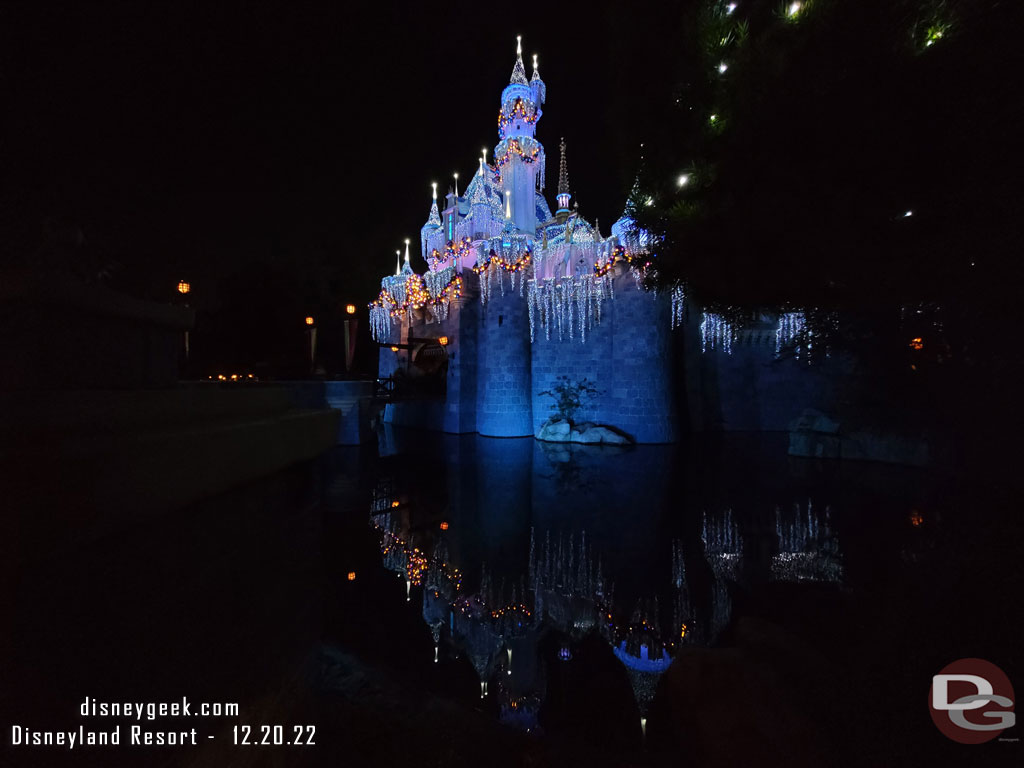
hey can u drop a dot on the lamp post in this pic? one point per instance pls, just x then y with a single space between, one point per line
184 288
311 336
351 324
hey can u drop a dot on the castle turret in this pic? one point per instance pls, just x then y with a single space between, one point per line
537 87
407 266
519 156
563 187
431 232
480 205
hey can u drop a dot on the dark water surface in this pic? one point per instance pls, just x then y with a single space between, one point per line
562 581
803 607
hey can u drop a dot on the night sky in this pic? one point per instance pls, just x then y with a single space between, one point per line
197 140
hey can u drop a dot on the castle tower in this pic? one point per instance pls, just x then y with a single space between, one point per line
518 155
563 187
480 205
430 233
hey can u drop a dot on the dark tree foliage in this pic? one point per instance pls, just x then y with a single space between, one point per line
569 396
827 125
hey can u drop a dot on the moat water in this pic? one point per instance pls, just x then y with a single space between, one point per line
371 592
549 587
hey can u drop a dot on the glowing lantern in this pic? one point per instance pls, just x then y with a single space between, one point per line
351 309
917 344
443 341
351 575
309 321
394 349
916 518
394 503
444 525
183 287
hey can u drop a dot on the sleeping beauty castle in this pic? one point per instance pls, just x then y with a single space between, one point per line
516 296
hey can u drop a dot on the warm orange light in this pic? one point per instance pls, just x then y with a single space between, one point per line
917 343
444 525
183 287
394 349
916 518
351 309
222 377
309 321
443 341
351 575
234 377
394 503
682 631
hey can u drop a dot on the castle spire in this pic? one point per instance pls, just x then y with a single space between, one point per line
434 219
519 71
479 191
540 90
563 186
407 267
563 171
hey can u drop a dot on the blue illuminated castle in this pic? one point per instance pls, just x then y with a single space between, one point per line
516 296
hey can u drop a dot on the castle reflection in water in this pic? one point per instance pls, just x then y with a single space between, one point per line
508 542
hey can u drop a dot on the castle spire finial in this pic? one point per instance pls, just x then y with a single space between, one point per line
519 71
433 186
398 263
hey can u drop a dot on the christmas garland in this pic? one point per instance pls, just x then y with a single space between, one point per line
619 255
509 110
509 266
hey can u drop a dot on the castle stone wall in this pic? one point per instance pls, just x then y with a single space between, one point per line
496 376
504 403
628 358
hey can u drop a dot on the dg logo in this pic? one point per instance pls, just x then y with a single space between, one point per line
971 701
